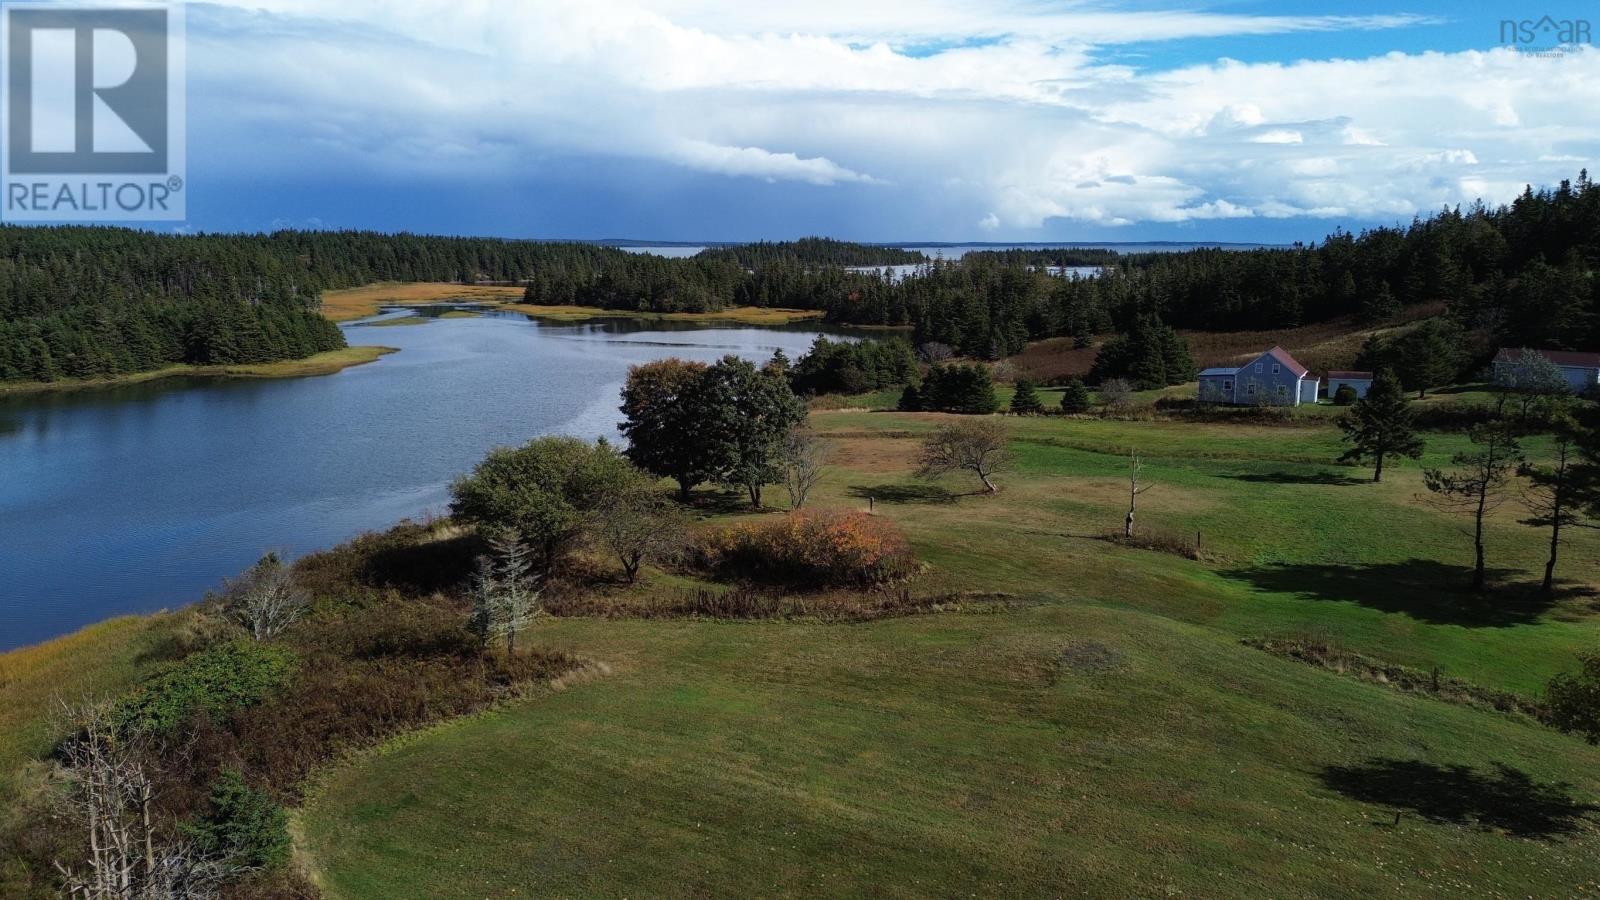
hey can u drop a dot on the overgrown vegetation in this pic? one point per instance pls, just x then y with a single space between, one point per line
809 550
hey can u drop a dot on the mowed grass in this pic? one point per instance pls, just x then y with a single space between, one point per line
1107 734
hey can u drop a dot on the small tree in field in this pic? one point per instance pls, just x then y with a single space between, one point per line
978 447
1075 399
505 593
1477 486
1558 494
1135 470
266 599
805 458
1025 400
1533 382
1116 394
1379 426
636 526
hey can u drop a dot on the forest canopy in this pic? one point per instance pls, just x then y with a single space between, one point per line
80 302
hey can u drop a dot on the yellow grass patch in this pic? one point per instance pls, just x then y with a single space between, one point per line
358 303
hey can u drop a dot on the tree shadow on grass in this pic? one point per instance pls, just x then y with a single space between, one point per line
1328 478
1424 589
1505 799
903 493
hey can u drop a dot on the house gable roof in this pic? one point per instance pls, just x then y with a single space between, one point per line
1282 357
1569 358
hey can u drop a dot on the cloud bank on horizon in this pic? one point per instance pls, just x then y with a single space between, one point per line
940 119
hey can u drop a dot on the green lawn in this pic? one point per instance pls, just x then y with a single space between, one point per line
1107 734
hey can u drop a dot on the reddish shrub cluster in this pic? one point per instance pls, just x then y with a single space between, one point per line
810 549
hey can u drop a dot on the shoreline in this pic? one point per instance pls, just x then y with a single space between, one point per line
350 304
326 363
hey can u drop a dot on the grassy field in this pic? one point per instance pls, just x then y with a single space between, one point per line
321 364
1104 733
100 660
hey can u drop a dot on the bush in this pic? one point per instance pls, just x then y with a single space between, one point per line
810 549
243 826
211 683
1344 396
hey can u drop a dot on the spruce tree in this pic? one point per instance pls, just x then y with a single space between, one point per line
1075 399
1380 426
1025 401
910 399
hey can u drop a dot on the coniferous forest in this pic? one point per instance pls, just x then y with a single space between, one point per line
92 302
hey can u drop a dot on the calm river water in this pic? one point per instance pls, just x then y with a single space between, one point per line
132 499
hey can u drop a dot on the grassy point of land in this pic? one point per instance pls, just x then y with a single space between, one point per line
359 303
321 364
743 315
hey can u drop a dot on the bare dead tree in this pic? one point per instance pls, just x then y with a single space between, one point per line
506 596
109 795
805 458
266 599
1135 469
979 447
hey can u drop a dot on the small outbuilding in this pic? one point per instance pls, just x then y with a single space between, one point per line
1271 379
1360 382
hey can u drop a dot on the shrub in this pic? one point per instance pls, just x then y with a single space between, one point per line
211 683
1574 699
811 549
1344 396
243 826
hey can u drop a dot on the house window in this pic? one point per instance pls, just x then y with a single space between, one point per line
1251 390
1258 368
1275 369
1227 385
1283 391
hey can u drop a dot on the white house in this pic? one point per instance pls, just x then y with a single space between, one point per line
1581 370
1360 382
1271 379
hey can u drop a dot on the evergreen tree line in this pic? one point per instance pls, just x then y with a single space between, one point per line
1517 275
851 367
818 251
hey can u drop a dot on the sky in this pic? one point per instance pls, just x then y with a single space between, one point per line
878 120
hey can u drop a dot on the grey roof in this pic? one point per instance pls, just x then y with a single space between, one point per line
1204 372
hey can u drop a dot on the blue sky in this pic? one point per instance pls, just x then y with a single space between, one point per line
890 120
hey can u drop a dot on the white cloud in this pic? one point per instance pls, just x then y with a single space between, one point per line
756 162
1005 113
